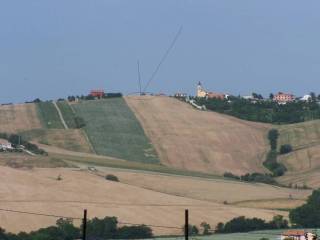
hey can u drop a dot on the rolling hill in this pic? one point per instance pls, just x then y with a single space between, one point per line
198 140
166 154
38 190
304 162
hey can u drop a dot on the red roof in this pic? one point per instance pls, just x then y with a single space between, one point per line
294 233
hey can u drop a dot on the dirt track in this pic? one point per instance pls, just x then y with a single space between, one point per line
38 191
201 141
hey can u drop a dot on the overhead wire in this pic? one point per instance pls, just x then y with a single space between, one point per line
163 58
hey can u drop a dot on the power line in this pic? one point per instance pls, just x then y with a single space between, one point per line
76 218
38 214
164 58
148 225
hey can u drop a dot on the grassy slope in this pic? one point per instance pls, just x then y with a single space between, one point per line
304 162
71 139
68 114
114 131
48 115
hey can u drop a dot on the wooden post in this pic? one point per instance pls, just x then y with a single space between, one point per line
84 225
186 225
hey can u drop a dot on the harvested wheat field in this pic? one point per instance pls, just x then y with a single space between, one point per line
304 162
198 140
18 117
39 191
254 195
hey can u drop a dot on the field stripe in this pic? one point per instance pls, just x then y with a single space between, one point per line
60 115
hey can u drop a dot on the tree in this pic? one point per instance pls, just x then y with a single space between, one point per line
278 222
102 228
219 227
286 148
206 228
271 96
273 138
134 232
313 96
307 215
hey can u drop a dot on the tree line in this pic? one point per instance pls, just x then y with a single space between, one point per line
266 111
97 229
305 216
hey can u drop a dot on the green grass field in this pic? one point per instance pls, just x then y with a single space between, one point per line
114 131
68 114
257 235
48 115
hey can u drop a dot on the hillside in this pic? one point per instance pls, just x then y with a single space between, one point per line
304 162
200 141
114 131
39 191
18 117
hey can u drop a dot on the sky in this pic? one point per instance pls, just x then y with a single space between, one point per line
55 48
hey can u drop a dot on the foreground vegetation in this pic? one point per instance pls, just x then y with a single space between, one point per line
114 131
106 228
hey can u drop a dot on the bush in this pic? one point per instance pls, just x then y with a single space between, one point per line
286 148
231 175
112 177
80 123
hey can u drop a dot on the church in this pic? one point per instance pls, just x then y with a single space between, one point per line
202 93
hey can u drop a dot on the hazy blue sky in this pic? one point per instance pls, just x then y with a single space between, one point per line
54 48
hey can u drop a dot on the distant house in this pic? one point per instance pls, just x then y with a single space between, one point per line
211 95
97 93
297 235
182 95
201 93
306 98
283 98
5 145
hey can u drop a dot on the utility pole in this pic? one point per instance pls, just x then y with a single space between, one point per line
186 225
84 225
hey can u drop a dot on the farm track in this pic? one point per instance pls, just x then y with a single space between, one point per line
60 115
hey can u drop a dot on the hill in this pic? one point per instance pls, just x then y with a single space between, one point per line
38 190
198 140
113 130
18 117
304 162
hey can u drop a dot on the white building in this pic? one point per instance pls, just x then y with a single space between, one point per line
5 145
306 98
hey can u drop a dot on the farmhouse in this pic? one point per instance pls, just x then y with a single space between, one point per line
298 235
201 92
5 145
283 98
97 93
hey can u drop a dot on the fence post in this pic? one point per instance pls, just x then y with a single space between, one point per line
186 225
84 225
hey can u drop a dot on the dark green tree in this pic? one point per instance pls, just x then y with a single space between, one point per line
307 215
